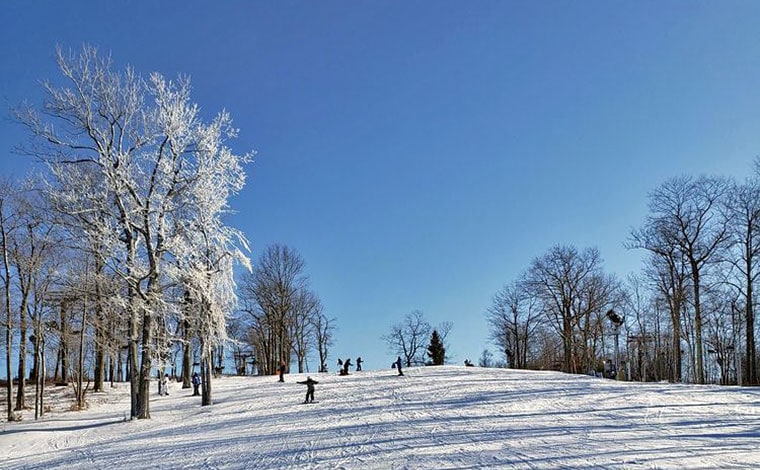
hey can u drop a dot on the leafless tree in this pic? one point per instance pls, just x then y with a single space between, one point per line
574 293
409 338
324 329
513 318
272 296
687 223
744 204
8 225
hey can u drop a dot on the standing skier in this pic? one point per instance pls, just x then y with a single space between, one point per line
196 383
398 365
282 371
359 364
346 365
309 382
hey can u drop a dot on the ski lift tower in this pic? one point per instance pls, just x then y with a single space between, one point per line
616 321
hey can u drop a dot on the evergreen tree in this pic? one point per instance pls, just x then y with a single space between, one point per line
436 351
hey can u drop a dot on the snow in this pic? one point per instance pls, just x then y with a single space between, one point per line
432 418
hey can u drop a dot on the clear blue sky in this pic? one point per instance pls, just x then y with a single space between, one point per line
420 154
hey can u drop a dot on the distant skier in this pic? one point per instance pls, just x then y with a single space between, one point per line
359 364
164 388
309 382
346 365
340 366
196 383
282 371
397 364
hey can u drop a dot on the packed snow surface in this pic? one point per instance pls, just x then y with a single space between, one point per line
431 418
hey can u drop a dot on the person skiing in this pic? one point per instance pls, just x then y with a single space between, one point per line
346 365
309 382
282 371
398 365
196 380
164 388
359 364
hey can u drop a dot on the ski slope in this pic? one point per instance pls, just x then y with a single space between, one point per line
431 418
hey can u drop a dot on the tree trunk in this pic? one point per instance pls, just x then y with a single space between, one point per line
700 371
187 361
750 327
205 376
80 373
100 333
143 404
22 346
132 364
63 349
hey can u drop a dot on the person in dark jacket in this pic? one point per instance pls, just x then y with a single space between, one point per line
282 371
398 365
309 382
196 383
346 365
359 364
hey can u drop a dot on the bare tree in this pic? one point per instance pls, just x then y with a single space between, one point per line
409 338
744 204
271 296
31 247
574 292
8 225
513 318
324 329
306 308
686 222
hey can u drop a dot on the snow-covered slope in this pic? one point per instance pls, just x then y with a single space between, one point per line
432 418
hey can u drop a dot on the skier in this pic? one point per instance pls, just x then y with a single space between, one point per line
196 383
346 365
282 371
309 382
398 365
340 366
359 364
164 388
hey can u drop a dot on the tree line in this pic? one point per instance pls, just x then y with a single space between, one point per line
687 316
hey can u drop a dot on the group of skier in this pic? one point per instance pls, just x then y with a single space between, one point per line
343 366
343 370
163 384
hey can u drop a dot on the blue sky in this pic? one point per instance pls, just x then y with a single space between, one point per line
419 154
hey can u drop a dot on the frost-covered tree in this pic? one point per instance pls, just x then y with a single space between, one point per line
134 165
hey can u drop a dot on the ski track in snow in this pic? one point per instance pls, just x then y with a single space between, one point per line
431 418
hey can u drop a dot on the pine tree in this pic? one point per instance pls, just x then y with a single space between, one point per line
436 351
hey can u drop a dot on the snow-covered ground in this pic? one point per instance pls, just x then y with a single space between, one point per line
432 418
